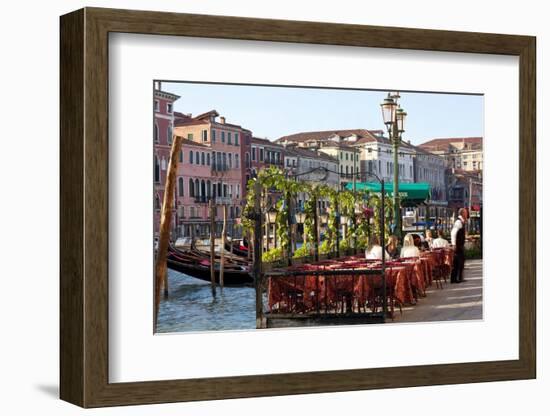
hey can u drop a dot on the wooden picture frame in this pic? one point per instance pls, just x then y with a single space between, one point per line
84 207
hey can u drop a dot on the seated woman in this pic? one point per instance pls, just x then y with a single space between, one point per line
409 249
391 247
374 252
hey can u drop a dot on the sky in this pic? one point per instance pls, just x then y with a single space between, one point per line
273 112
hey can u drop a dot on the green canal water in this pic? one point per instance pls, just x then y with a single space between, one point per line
191 307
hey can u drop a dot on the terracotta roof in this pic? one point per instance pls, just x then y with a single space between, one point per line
339 145
444 143
181 116
266 142
188 122
208 114
323 135
300 151
228 125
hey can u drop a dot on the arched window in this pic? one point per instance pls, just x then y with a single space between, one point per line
202 158
191 188
208 189
180 186
157 202
191 156
156 133
203 188
208 159
247 159
197 158
169 134
181 156
157 169
197 189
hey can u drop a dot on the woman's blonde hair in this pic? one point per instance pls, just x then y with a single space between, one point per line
392 240
408 240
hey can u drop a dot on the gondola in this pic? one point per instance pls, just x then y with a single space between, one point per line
193 254
231 276
238 250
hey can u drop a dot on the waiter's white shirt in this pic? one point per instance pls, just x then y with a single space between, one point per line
456 227
375 253
440 243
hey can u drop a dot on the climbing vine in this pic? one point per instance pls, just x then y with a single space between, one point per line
359 207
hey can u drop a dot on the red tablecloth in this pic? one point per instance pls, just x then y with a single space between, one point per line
310 292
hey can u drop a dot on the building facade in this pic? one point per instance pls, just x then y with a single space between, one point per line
265 153
465 153
216 163
369 155
303 163
163 125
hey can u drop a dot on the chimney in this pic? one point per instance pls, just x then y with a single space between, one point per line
222 120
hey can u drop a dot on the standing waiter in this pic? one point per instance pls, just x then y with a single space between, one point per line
458 238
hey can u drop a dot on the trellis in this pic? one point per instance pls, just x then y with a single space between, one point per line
341 200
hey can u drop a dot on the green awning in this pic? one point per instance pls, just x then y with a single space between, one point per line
410 193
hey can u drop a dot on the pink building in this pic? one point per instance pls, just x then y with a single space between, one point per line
246 165
163 103
215 170
193 188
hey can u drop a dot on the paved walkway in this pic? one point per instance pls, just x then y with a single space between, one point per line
461 301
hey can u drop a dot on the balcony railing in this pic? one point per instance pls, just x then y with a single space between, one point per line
223 200
202 199
220 167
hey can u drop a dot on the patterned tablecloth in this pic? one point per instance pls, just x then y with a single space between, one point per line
406 279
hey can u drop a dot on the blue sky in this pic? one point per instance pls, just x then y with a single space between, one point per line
273 112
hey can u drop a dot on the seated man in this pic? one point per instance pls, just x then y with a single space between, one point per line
440 242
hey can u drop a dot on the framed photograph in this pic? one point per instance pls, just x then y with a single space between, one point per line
254 207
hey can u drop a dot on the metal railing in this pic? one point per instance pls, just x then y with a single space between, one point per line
203 199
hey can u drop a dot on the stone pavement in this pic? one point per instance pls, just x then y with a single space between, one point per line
462 301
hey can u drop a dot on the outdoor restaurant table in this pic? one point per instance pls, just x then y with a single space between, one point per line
310 292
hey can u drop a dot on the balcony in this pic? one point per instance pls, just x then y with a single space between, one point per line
220 167
202 199
223 200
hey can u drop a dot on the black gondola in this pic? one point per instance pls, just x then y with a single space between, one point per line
236 250
231 277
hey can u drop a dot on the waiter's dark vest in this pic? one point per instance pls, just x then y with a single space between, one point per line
461 237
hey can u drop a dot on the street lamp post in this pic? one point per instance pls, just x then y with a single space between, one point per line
394 119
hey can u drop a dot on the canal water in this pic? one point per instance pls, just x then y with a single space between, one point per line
191 307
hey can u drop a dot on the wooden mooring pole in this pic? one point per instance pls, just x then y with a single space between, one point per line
213 247
257 262
222 249
161 281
